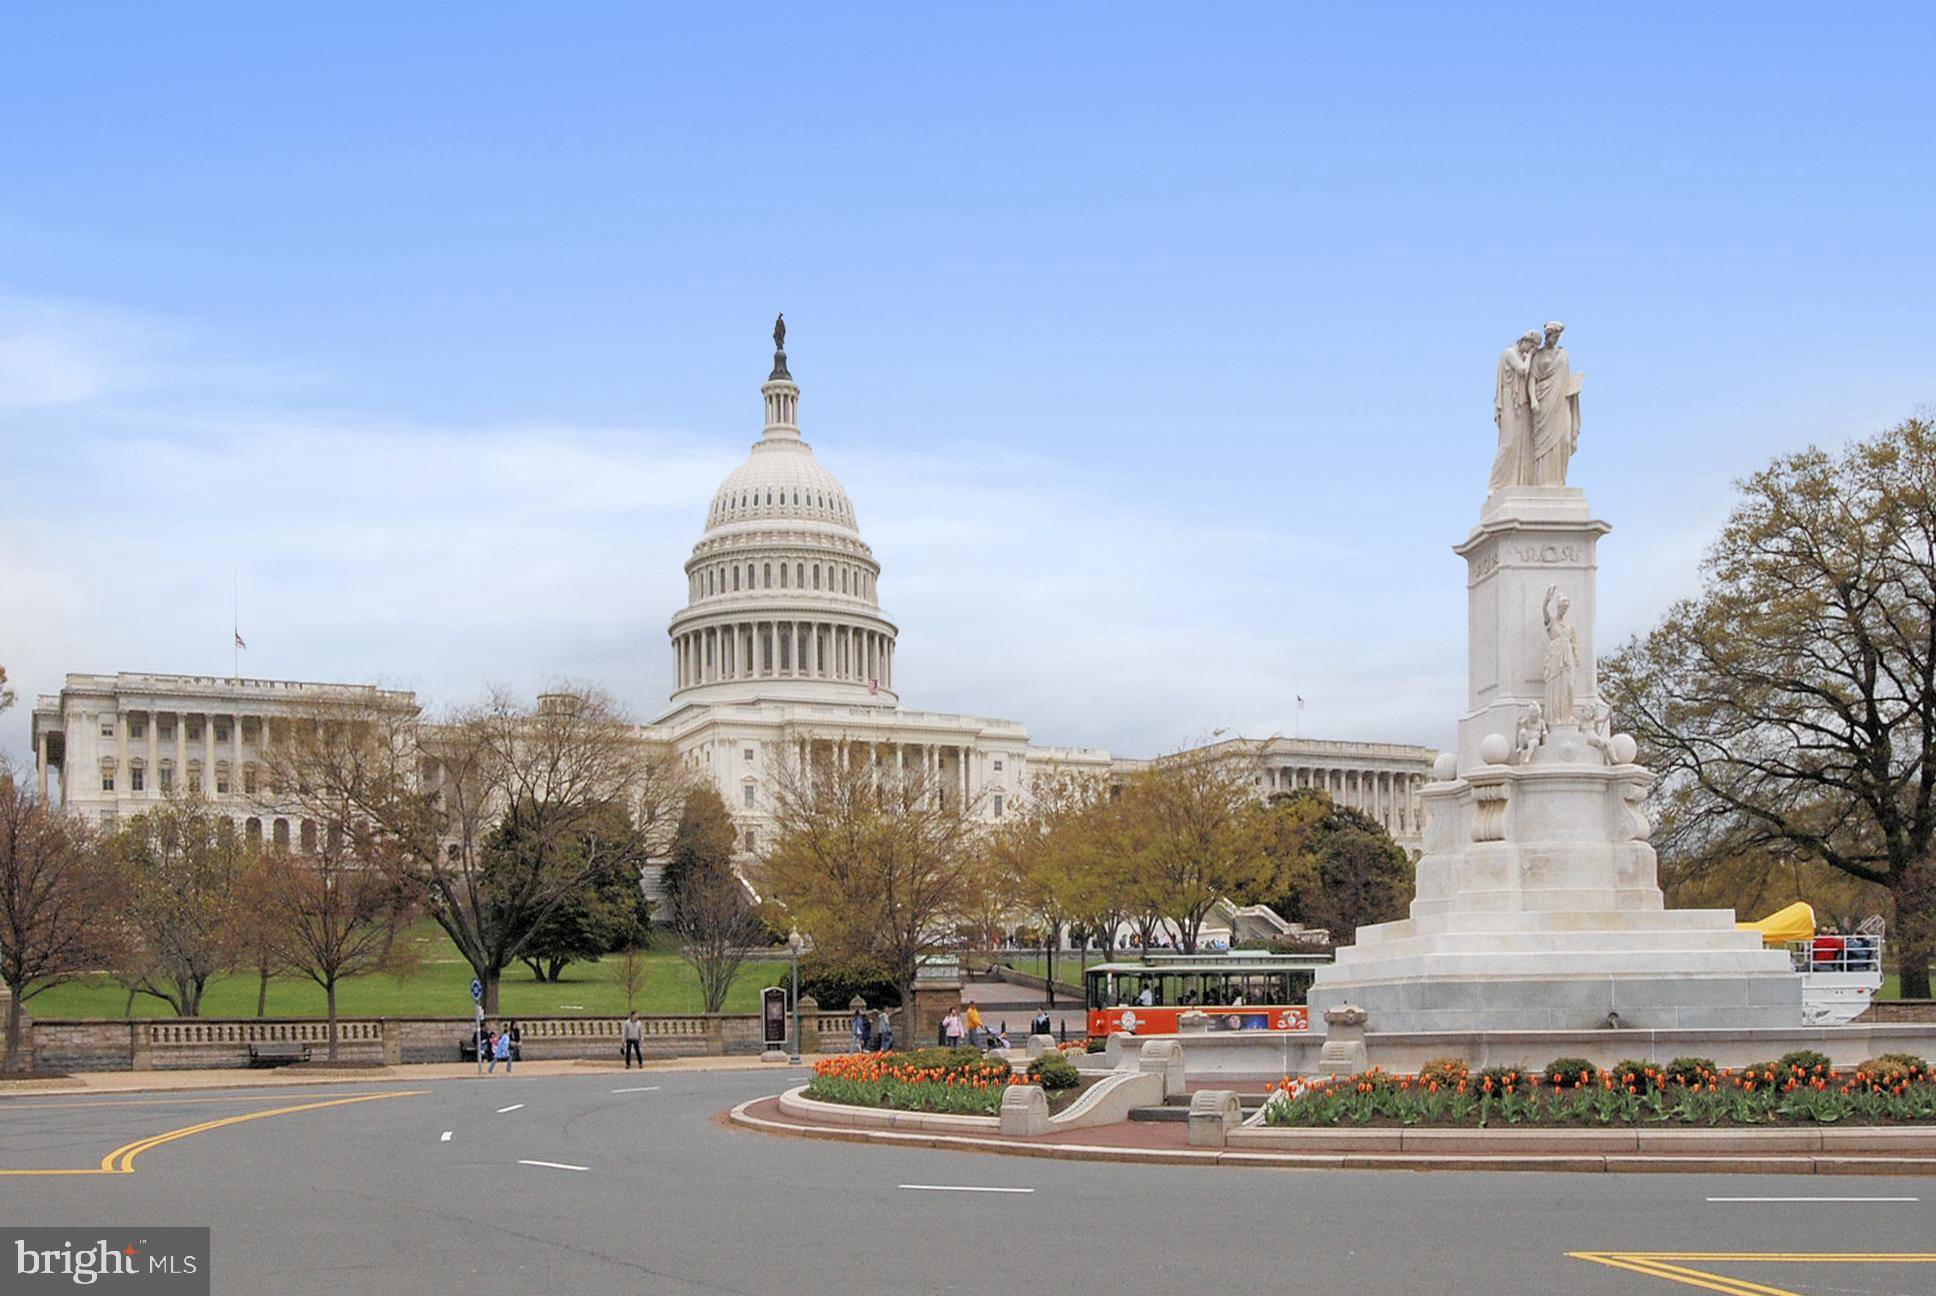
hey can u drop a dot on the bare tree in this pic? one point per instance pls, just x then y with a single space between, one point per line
181 864
494 814
875 863
59 901
633 969
714 917
328 916
1189 822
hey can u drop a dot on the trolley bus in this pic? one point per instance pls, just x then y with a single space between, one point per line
1235 991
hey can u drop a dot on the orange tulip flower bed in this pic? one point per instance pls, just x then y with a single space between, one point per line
1800 1089
954 1081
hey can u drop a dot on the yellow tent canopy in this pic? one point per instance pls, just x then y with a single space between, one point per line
1785 926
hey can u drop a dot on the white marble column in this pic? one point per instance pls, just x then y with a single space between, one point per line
40 763
208 753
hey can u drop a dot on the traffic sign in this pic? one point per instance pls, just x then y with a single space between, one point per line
477 990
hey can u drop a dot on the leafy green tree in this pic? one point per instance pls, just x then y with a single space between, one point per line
1334 866
595 918
1790 707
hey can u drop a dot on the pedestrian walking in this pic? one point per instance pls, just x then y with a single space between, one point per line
517 1043
633 1035
973 1023
860 1030
501 1052
884 1029
952 1027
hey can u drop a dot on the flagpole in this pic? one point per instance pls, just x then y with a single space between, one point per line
235 623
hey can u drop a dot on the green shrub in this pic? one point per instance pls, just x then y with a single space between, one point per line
1807 1061
1505 1080
1445 1072
1095 1044
1689 1070
1632 1073
1571 1073
949 1061
1053 1072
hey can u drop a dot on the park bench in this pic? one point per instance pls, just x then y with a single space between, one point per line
278 1053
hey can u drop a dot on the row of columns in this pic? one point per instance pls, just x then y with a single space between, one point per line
1389 796
784 650
927 759
207 746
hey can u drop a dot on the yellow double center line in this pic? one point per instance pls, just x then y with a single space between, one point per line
1661 1264
121 1160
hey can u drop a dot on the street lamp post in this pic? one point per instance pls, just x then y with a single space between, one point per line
793 947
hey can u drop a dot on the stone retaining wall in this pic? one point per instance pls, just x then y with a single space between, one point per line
144 1044
1888 1011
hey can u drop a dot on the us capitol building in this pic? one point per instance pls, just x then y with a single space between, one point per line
782 645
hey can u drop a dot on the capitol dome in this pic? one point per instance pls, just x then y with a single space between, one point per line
781 599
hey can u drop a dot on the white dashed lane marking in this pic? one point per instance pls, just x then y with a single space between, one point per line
640 1089
445 1138
513 1107
553 1165
961 1188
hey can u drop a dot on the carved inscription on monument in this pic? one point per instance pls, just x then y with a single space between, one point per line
1548 553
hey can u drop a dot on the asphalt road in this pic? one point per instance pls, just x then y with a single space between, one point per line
369 1197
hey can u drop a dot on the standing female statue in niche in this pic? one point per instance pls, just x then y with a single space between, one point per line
1562 661
1512 410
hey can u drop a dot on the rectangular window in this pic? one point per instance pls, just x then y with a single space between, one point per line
748 790
167 779
248 779
221 731
998 764
752 839
222 782
998 807
137 779
107 727
107 780
194 728
749 753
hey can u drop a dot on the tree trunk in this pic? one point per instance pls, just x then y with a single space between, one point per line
1048 955
537 971
555 969
13 1028
1915 930
262 990
490 992
329 993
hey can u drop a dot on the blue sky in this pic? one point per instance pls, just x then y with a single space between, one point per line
1155 345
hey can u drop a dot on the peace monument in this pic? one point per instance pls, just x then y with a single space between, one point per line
1538 905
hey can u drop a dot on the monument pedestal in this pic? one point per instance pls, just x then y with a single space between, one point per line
1538 905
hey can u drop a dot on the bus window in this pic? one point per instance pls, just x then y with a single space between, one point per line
1093 991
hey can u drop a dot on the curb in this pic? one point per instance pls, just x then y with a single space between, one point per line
1593 1163
243 1079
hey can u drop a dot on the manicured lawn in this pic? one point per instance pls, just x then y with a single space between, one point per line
439 986
1067 971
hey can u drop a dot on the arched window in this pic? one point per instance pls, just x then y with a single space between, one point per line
843 580
816 575
253 830
752 578
783 576
800 575
281 832
736 578
769 496
309 836
768 582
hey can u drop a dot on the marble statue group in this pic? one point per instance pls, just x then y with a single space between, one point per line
1536 403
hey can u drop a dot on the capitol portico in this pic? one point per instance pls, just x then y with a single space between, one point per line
782 647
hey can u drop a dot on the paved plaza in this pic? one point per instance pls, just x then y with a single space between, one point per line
629 1182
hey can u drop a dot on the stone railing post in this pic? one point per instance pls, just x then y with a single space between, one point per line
809 1010
1025 1111
1344 1051
390 1031
141 1055
715 1035
1213 1114
1163 1058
